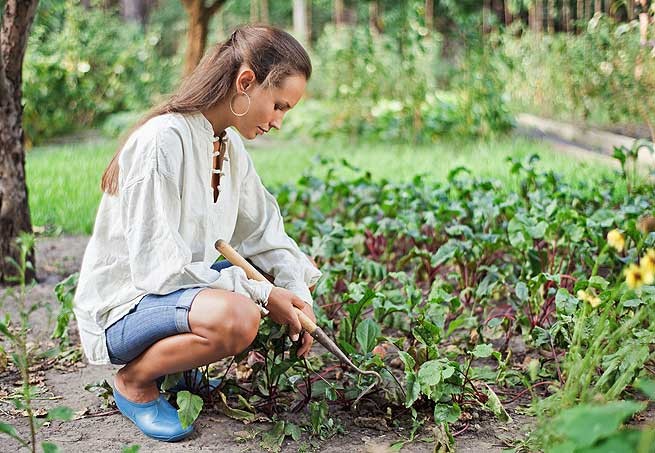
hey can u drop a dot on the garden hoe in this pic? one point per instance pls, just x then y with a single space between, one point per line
319 335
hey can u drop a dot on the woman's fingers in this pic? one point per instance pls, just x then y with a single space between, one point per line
298 302
294 324
307 341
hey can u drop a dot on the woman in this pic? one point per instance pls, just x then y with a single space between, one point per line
149 294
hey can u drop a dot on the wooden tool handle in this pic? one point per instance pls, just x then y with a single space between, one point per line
233 257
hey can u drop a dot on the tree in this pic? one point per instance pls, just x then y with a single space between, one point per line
375 22
199 16
136 11
339 12
300 21
14 209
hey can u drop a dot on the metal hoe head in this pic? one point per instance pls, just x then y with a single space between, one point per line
320 336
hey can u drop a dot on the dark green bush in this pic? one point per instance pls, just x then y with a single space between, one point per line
385 87
82 65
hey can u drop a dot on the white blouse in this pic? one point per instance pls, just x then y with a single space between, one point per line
157 234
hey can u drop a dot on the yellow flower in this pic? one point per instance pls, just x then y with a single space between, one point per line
589 297
636 277
647 263
616 240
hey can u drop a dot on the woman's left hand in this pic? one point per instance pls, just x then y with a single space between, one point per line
307 340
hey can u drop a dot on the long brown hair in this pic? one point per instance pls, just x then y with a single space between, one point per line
271 53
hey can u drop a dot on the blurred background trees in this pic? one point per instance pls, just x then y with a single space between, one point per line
410 70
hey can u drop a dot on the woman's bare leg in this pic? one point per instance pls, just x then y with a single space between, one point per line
222 324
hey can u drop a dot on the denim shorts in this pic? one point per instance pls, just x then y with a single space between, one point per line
155 317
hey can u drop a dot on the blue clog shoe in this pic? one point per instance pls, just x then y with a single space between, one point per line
198 385
157 419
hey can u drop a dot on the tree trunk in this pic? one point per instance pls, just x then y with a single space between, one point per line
199 16
254 11
136 11
508 13
550 19
598 6
14 208
579 14
539 15
309 23
566 16
486 12
300 20
630 5
429 14
374 22
587 9
339 16
263 11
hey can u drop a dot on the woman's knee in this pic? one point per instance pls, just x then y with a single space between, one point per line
228 321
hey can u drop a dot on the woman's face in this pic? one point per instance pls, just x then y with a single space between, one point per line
268 105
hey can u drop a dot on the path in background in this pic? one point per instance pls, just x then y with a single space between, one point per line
585 142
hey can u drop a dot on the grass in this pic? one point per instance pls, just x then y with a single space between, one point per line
63 180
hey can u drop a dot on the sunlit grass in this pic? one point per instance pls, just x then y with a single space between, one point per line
64 180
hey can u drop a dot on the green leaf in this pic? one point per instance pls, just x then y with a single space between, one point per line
483 350
367 333
49 447
647 386
433 373
444 413
5 331
171 380
132 449
237 414
586 424
190 406
413 389
293 430
318 412
407 360
494 405
60 413
598 282
445 253
565 303
8 429
521 291
272 439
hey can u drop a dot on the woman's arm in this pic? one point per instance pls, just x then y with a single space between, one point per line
260 236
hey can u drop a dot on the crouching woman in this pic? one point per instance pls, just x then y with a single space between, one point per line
151 295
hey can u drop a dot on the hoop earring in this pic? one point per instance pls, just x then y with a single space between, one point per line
232 108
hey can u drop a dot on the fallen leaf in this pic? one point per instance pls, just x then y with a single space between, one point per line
243 372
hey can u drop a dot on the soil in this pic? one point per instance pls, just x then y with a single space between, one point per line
100 428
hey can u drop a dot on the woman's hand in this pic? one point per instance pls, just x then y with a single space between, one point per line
306 339
281 303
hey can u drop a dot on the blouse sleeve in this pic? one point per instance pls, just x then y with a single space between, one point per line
260 236
160 260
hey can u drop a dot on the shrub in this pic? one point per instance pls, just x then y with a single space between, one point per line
603 76
82 65
385 87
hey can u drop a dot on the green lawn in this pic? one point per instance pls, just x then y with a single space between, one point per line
64 180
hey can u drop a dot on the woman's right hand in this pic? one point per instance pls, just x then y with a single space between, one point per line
281 303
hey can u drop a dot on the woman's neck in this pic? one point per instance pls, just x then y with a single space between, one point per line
219 116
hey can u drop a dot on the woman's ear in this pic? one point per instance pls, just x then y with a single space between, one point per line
245 80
